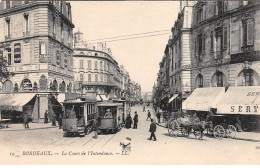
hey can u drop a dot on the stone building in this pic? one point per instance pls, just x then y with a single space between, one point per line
225 44
36 41
95 69
180 50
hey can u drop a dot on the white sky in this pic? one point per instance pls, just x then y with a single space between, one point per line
141 56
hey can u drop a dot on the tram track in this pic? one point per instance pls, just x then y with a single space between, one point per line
56 141
97 142
108 140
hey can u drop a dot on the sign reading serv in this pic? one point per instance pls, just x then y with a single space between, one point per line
250 105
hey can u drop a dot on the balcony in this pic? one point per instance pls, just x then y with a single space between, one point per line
99 83
247 56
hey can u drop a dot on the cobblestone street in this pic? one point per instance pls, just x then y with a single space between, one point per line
172 150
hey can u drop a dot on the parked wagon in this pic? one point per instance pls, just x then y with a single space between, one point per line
222 126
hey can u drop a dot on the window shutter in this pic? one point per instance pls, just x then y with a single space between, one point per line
225 38
250 32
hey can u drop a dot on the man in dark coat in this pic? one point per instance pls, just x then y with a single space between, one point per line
135 120
26 121
148 115
60 121
95 128
152 130
128 121
46 117
158 115
53 119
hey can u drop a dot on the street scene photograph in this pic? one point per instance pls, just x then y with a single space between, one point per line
130 82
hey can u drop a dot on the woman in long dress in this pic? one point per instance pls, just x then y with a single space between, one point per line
128 122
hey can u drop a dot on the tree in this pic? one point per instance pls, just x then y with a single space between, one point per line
4 74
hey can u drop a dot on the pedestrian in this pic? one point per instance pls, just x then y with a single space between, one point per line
158 115
144 109
148 115
60 121
128 122
95 128
26 121
239 124
53 119
152 130
135 120
46 117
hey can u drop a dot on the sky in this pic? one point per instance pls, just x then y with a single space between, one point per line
140 56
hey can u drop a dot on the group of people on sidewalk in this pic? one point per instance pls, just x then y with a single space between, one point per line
46 119
129 121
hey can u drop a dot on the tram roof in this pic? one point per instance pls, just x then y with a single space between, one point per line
78 101
109 104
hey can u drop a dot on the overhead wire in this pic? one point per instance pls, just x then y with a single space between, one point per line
117 38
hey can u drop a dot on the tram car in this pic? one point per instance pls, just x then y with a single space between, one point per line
78 117
111 116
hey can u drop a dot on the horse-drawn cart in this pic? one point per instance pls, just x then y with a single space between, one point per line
184 126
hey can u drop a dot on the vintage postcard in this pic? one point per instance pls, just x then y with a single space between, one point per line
130 82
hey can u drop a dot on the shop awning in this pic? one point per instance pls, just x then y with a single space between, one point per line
240 100
173 97
202 99
15 101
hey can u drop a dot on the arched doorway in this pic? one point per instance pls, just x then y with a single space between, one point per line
199 81
55 85
7 87
43 83
248 77
26 85
69 87
62 87
218 80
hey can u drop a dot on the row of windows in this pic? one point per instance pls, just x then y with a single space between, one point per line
221 38
106 66
103 78
16 56
219 8
248 75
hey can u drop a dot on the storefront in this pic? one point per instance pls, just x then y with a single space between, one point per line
244 104
203 99
13 106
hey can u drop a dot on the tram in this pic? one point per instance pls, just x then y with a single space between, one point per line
111 116
78 118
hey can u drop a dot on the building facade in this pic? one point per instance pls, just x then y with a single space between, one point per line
226 44
95 70
36 41
213 44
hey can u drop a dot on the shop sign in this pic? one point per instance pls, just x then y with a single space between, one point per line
24 68
5 107
245 109
207 64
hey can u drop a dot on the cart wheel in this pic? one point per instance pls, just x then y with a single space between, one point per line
184 132
219 132
231 131
198 134
173 128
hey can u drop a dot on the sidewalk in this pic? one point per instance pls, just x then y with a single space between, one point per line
33 126
246 136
